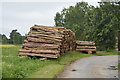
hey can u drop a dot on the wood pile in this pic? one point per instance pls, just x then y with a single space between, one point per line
85 46
48 42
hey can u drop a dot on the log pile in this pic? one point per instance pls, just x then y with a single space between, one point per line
85 46
48 42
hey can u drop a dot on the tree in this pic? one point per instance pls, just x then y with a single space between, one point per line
99 24
58 19
4 39
73 18
15 37
0 38
106 29
22 39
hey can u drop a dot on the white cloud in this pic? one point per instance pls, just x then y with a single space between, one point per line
48 0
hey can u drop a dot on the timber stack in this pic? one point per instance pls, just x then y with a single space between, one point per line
85 46
48 42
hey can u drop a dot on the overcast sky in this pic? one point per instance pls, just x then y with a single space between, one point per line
23 15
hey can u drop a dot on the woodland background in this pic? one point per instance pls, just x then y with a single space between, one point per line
99 24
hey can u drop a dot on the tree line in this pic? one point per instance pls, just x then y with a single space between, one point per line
15 38
99 24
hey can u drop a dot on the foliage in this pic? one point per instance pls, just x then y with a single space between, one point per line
15 38
58 19
99 24
3 39
0 39
106 29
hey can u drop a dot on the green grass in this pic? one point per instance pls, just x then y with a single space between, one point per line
45 73
14 66
112 52
118 66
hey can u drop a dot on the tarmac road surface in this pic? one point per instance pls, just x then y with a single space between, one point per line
92 67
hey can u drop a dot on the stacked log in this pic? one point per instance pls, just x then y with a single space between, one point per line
85 46
48 42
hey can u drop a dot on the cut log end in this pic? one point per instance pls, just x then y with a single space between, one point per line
43 59
89 52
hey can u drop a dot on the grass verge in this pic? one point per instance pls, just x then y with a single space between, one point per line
14 66
118 66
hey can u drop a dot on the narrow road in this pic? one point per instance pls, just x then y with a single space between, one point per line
92 67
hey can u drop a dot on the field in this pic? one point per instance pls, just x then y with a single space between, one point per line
14 66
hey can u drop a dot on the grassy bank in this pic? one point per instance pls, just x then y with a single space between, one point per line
21 67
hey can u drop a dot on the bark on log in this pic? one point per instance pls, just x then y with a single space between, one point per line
50 27
33 44
86 47
40 55
84 43
46 51
43 32
43 41
23 50
25 41
49 36
41 48
40 51
42 37
46 30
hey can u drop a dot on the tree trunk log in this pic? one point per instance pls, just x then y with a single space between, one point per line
40 51
40 55
86 47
